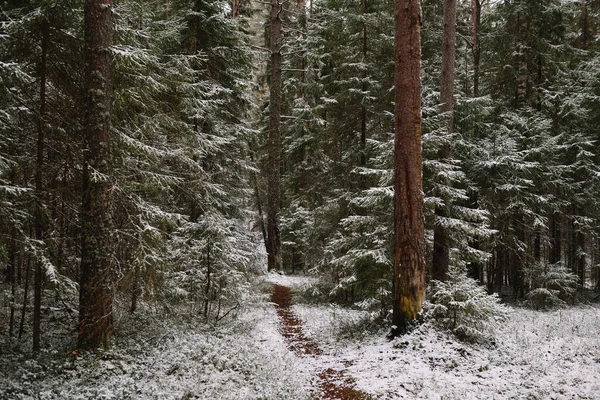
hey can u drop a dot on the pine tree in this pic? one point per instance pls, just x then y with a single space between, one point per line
97 275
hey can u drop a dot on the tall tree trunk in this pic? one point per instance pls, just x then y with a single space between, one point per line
274 179
441 237
363 108
96 281
476 45
409 243
166 9
39 229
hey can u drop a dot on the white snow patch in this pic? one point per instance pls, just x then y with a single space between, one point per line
297 282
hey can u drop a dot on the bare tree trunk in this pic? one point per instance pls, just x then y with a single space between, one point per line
96 281
476 45
441 236
235 9
25 297
166 8
555 238
207 290
12 255
363 108
135 289
274 178
409 246
39 229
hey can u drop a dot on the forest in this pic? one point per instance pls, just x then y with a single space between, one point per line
308 199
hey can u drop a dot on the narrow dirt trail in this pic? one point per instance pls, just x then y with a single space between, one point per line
332 384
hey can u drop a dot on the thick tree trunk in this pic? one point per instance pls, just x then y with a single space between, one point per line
96 281
409 245
39 229
273 181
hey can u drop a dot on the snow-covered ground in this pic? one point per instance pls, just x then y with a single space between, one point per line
168 359
537 355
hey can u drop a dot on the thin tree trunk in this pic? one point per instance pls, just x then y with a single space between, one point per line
25 297
207 290
166 8
39 230
135 291
580 254
555 255
96 281
363 108
274 179
12 253
441 236
409 244
476 45
235 9
261 218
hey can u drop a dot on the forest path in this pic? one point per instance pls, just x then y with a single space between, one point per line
332 384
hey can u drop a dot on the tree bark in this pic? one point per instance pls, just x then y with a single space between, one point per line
235 9
96 280
555 255
441 236
12 253
409 244
476 45
25 298
39 229
274 178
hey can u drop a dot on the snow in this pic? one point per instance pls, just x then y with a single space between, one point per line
296 282
550 355
535 355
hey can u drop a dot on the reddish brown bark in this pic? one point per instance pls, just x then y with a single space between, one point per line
96 281
409 262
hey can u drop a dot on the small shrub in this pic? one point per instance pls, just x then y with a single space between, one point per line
462 306
553 285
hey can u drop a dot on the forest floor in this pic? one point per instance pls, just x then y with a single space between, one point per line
257 355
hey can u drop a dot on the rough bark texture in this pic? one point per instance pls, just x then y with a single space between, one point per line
39 178
409 263
441 237
96 282
273 182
